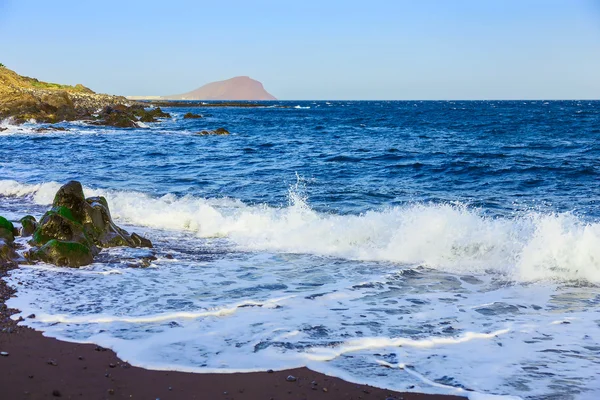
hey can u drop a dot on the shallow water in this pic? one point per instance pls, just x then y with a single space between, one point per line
442 247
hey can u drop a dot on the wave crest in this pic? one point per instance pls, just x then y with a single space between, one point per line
454 238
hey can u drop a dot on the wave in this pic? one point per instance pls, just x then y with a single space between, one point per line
528 247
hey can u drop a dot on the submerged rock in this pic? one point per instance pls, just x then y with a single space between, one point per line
218 131
192 116
74 223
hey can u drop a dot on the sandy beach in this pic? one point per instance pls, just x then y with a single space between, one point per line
39 367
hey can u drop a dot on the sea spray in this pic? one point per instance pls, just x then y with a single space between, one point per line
530 246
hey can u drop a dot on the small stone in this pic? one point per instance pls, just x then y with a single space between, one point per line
31 316
3 354
270 371
30 376
291 378
52 362
111 365
325 390
111 391
56 393
170 388
80 358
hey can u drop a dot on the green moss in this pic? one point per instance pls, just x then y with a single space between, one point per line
64 212
68 248
63 253
6 224
39 238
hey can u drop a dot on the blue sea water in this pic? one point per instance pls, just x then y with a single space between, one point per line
444 247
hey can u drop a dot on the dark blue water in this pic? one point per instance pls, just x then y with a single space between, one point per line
422 246
353 156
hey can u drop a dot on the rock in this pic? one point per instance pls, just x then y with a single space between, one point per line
218 131
4 354
192 116
28 225
291 378
50 129
72 232
118 116
158 113
7 230
64 254
23 99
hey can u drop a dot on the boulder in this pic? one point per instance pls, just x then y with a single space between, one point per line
8 255
76 220
192 116
218 131
7 230
28 225
63 253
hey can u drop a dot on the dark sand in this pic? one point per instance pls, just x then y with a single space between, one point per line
38 367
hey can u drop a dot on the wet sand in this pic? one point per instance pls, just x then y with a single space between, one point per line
38 367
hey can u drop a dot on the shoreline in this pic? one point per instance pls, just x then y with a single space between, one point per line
39 367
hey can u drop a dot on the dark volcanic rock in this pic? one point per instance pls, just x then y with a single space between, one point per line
218 131
75 223
192 116
28 225
8 255
64 254
122 116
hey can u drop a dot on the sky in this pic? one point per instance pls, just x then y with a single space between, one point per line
306 49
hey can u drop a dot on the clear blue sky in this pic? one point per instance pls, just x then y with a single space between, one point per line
306 49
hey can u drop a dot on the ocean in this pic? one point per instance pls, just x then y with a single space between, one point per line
438 247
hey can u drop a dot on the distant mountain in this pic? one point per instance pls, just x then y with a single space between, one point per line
238 88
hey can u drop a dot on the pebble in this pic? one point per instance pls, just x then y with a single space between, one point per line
56 393
31 316
111 391
111 365
270 371
291 378
325 390
52 362
3 354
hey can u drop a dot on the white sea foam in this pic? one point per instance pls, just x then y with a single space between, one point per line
454 238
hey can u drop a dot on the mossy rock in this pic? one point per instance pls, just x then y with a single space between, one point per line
7 229
6 224
70 196
64 254
56 226
28 225
8 256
